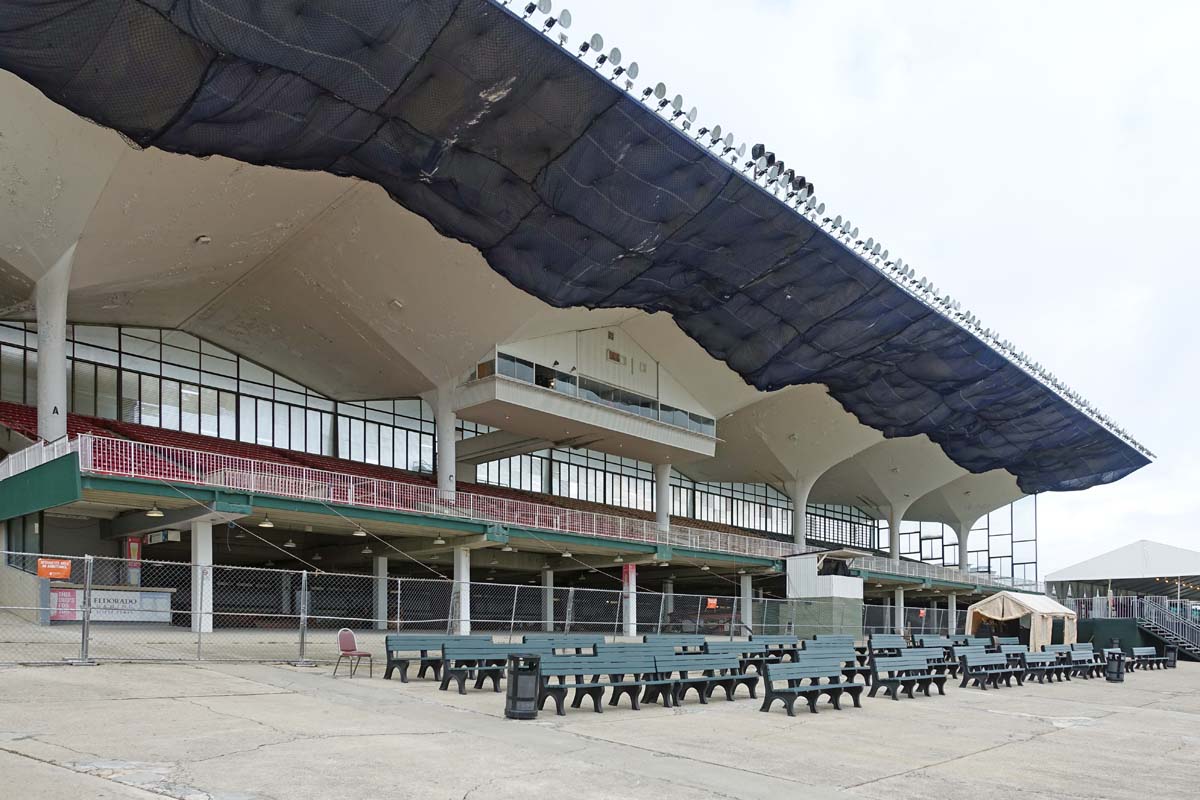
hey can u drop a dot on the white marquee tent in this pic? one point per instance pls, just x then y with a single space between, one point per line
1041 610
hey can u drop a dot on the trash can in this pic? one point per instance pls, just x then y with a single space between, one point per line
1172 655
524 676
1114 642
1114 668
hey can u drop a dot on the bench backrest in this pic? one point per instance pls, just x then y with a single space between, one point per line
934 641
731 647
1081 656
1087 646
985 660
565 639
676 639
930 654
842 638
886 641
1013 648
785 642
813 666
624 664
413 643
974 641
468 650
1033 659
968 650
621 648
1144 651
895 665
838 650
1112 651
1056 648
696 662
1003 640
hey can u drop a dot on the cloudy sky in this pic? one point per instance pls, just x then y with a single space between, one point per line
1036 160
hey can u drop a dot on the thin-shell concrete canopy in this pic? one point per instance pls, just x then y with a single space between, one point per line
501 217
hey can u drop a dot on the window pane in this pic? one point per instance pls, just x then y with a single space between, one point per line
170 405
106 392
208 411
149 405
248 418
227 410
265 423
189 408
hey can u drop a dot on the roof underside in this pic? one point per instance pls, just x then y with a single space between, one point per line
570 189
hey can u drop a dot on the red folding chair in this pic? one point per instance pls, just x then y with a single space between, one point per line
348 649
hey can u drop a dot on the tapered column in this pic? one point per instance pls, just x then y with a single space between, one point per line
50 295
202 578
381 593
662 496
462 587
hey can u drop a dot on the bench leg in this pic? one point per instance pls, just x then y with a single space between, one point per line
752 685
559 696
855 696
768 699
835 697
789 703
941 686
965 679
812 698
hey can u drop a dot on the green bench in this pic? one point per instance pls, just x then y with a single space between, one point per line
1098 659
972 641
846 639
1146 658
626 673
778 645
426 650
844 653
575 643
482 659
1000 641
704 672
906 673
1043 666
886 644
1013 652
936 657
935 641
981 668
683 642
749 654
809 676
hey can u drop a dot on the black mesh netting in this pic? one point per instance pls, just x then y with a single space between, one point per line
572 190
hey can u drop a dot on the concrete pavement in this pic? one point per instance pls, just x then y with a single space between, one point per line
256 732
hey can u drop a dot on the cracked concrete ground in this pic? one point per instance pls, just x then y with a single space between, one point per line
260 732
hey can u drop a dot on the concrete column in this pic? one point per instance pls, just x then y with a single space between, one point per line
202 578
444 422
668 589
662 496
50 295
963 529
629 598
951 614
548 600
898 608
381 593
462 588
798 491
747 600
895 517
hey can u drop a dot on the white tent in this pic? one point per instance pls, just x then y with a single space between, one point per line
1041 610
1140 559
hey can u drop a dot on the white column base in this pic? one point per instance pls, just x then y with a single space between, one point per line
202 577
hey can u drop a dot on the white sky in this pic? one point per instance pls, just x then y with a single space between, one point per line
1036 160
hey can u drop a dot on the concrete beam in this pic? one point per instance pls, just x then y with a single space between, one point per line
136 523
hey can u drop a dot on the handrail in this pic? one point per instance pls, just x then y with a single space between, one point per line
34 456
111 456
919 569
1162 616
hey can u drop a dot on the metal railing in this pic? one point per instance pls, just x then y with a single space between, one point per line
919 569
1170 614
109 456
99 608
34 456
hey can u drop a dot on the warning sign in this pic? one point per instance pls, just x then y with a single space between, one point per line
56 568
712 603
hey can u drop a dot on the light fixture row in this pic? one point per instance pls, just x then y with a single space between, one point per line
798 193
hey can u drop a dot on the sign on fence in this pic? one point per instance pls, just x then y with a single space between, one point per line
56 568
109 605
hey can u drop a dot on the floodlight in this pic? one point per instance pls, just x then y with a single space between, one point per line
564 19
633 70
614 56
660 90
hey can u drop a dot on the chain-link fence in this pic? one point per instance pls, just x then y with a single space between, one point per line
66 608
917 621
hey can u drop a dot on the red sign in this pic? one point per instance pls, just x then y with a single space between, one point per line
712 603
57 568
921 613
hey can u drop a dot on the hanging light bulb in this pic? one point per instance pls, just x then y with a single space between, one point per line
567 554
366 551
704 568
317 557
439 540
359 532
289 544
618 559
508 548
154 511
266 523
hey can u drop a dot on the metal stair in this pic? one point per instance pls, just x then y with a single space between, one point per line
1158 620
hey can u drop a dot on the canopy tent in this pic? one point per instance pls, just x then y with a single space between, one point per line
1041 610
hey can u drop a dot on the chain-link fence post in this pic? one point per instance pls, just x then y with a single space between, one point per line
398 606
303 612
570 613
512 620
662 610
86 631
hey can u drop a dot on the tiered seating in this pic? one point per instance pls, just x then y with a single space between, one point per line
23 420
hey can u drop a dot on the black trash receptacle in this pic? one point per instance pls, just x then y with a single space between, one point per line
1172 655
524 676
1114 669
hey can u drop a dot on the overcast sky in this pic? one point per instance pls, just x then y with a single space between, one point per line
1036 160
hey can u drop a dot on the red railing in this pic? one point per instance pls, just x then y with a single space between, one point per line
107 456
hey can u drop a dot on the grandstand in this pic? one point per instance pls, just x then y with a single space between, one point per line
491 313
